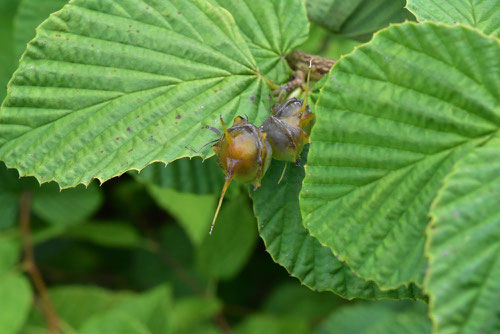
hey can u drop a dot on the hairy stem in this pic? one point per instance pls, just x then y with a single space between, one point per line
30 265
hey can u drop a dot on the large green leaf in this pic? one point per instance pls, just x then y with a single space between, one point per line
289 243
482 14
15 302
377 318
463 280
357 18
107 87
29 16
394 117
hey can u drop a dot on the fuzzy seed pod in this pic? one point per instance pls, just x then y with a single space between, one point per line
288 129
243 153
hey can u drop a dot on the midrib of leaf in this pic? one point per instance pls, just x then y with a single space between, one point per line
255 23
321 202
272 28
406 170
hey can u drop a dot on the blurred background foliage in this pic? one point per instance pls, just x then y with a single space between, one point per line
134 255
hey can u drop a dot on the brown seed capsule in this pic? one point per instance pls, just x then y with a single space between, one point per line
243 153
288 129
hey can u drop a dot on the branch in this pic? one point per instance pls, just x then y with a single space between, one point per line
171 262
30 265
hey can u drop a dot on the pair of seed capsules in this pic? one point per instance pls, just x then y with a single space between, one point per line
244 151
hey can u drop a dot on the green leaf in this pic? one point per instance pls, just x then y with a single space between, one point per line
394 117
29 15
49 203
322 42
161 263
377 318
7 58
114 323
289 243
263 323
224 253
8 209
185 175
312 306
86 309
76 304
463 280
271 28
67 207
204 328
107 87
357 18
482 14
107 234
190 312
152 309
10 252
196 223
15 302
10 193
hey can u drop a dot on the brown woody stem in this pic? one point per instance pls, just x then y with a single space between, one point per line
30 265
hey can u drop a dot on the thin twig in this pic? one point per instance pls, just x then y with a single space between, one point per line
219 318
30 265
190 281
222 323
164 255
